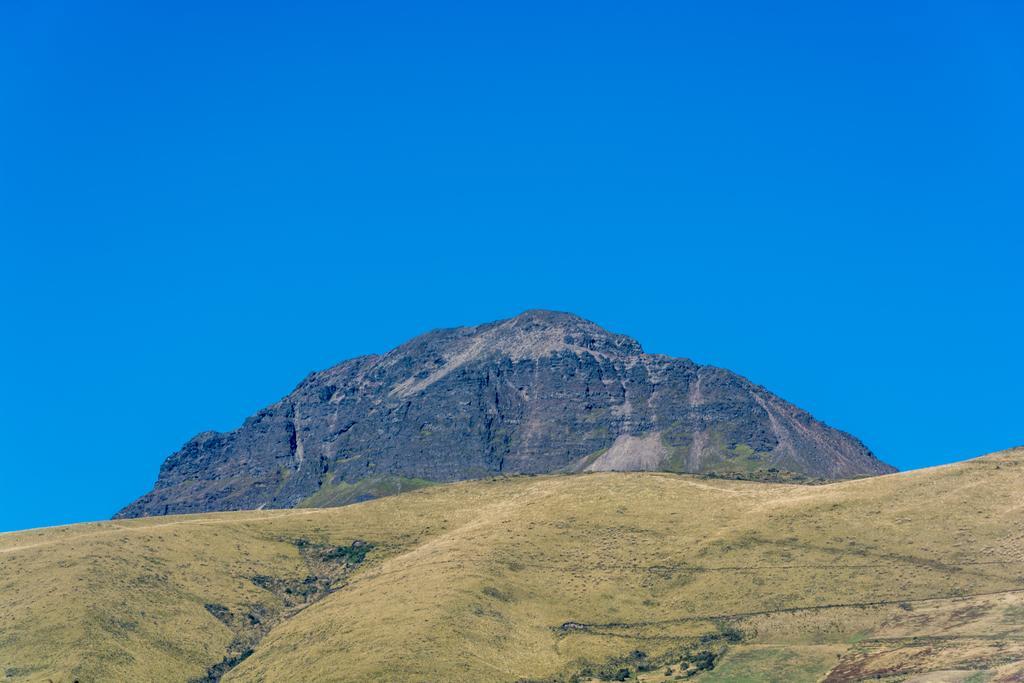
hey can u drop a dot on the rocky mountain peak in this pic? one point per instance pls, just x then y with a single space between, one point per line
532 335
545 391
536 327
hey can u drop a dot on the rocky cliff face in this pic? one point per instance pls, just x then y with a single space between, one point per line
541 392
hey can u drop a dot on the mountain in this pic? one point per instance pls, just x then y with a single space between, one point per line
638 576
542 392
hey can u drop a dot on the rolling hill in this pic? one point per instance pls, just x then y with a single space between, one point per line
916 576
539 393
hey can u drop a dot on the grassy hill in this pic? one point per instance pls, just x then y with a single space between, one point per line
637 576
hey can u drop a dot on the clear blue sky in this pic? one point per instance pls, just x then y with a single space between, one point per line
202 202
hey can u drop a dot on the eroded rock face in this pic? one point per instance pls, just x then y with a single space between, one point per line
541 392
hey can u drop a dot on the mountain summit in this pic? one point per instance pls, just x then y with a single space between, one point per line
542 392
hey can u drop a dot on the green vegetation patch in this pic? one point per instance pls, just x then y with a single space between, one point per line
351 554
739 458
678 444
342 493
587 461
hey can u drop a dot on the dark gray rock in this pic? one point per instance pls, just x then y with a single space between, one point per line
541 392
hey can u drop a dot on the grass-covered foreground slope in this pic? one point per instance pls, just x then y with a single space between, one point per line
650 576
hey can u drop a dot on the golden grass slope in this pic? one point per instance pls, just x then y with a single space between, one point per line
912 576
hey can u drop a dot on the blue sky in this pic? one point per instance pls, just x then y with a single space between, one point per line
202 202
